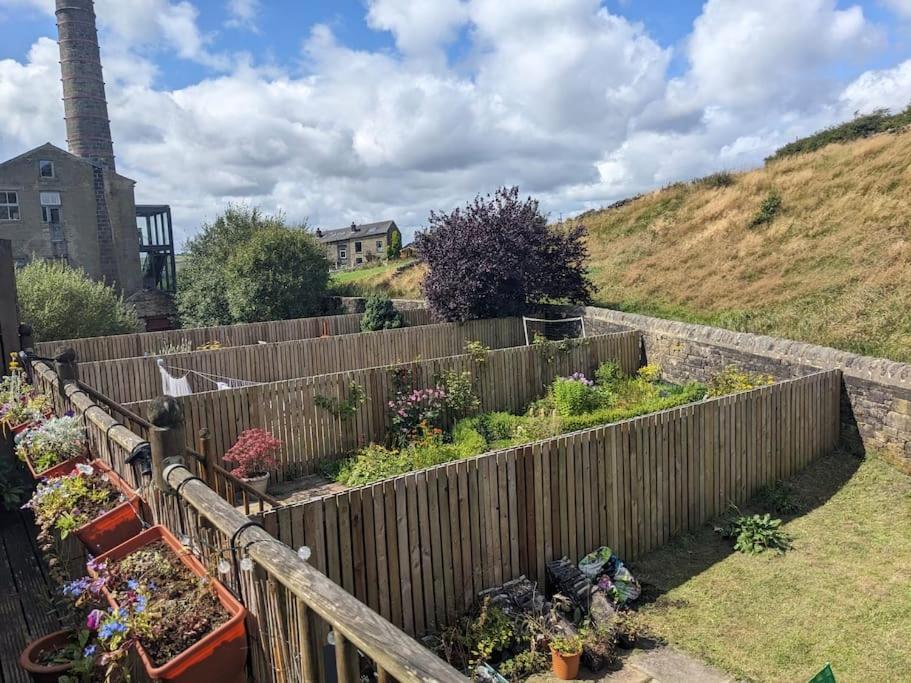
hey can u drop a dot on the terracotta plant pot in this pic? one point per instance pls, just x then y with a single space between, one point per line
260 483
220 655
57 470
115 526
565 667
45 673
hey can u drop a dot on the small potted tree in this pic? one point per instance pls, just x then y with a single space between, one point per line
566 652
253 457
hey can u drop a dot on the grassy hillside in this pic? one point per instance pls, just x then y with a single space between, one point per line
813 247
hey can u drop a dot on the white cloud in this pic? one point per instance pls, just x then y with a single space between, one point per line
567 100
243 13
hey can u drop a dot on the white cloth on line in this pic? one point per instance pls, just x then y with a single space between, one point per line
173 386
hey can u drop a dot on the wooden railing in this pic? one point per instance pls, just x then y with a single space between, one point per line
151 343
293 607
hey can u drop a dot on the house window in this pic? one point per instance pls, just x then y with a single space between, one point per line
46 168
359 260
343 254
379 245
50 214
357 247
9 206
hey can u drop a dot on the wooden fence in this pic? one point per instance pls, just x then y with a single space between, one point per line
292 607
419 547
152 343
138 379
507 379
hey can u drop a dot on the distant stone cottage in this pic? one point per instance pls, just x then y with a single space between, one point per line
358 244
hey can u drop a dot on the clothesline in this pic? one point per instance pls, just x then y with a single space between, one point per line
180 386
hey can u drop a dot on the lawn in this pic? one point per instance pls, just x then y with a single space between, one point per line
358 274
841 595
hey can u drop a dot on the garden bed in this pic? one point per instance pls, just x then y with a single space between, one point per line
570 404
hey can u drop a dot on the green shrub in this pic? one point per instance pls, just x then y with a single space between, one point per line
650 373
394 248
575 396
754 534
769 208
686 394
732 380
460 397
523 665
468 438
380 314
608 373
717 180
61 302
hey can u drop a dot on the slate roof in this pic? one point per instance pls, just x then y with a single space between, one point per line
363 230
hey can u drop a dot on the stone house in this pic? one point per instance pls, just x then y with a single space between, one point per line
56 205
358 244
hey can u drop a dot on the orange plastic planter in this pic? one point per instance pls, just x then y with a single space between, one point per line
60 470
565 667
219 656
115 526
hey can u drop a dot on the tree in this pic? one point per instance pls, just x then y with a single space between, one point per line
394 248
280 273
61 302
380 314
202 286
498 255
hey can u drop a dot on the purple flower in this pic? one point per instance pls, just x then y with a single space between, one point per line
89 651
93 621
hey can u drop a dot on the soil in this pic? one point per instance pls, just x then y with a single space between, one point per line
182 607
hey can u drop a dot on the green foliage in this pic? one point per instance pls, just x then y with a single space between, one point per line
343 408
717 180
394 248
380 314
732 380
476 638
574 396
375 462
650 373
478 351
549 348
12 491
61 302
769 208
754 534
460 397
880 121
779 497
608 373
523 665
279 273
662 400
568 644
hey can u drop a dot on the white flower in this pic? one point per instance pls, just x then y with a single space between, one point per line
85 469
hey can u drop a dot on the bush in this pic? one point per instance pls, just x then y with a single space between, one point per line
575 395
460 397
608 373
380 314
732 380
650 373
394 248
717 180
754 534
497 255
278 274
253 454
61 302
769 208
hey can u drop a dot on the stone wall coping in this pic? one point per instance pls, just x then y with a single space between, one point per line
879 370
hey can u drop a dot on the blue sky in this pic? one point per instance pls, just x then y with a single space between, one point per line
374 109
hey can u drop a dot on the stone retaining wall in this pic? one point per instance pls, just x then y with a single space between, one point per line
876 398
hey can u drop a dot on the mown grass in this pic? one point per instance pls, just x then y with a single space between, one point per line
363 274
841 595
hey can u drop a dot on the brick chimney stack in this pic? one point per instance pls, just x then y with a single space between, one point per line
88 128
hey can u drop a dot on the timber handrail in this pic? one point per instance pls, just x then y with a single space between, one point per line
396 653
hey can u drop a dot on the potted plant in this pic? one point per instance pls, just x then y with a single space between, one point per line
20 405
44 448
89 500
566 651
185 625
67 655
253 456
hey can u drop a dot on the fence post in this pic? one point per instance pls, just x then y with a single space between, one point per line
166 437
207 452
67 370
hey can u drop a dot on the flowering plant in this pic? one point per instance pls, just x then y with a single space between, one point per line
66 503
52 442
415 412
19 402
253 454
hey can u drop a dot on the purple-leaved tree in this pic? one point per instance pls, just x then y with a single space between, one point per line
497 255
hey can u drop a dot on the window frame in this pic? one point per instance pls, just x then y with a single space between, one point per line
41 175
46 209
8 205
358 247
343 254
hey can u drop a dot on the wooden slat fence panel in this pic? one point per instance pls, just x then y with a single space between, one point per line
129 380
648 478
151 343
311 435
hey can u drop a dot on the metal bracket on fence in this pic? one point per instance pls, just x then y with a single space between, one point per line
141 455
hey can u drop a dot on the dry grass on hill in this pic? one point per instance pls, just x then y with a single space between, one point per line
833 266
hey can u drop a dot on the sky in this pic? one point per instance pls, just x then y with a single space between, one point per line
366 110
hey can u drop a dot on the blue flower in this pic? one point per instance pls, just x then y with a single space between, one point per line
133 585
89 651
141 602
110 629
